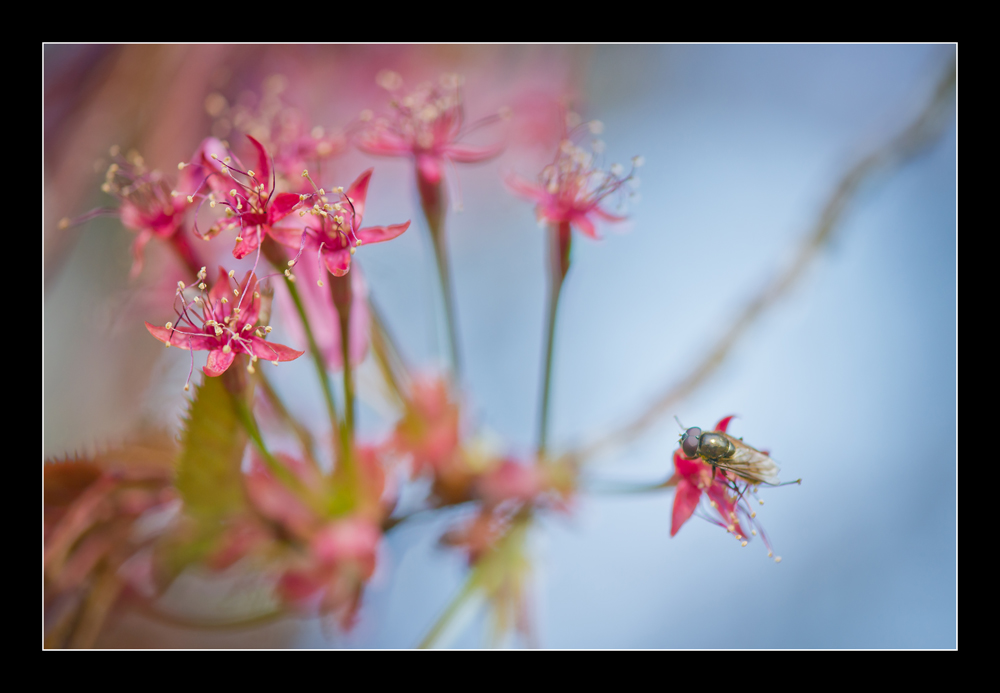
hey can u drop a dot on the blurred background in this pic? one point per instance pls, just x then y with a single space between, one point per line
849 380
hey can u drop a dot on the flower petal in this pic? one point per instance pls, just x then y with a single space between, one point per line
724 423
281 206
469 154
357 194
218 362
584 225
608 216
263 171
181 339
137 246
524 188
269 351
337 261
251 241
382 143
377 234
289 233
685 502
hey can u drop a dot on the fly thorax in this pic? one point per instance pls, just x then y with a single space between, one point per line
714 446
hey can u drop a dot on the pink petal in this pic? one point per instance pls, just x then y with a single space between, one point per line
357 194
520 186
337 261
289 233
269 351
468 154
377 234
251 241
137 247
218 362
608 216
724 423
177 338
584 225
383 143
220 288
685 503
263 171
249 309
281 206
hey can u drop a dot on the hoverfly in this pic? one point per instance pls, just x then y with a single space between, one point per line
722 451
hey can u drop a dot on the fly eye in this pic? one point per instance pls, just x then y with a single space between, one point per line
689 444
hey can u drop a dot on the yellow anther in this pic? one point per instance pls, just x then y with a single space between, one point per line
180 285
305 172
253 358
730 528
190 198
203 286
301 197
166 344
250 173
753 532
218 331
232 273
288 273
225 300
353 249
319 282
106 188
211 203
743 543
769 554
226 160
215 157
174 193
302 213
227 349
236 292
761 502
358 243
250 368
180 166
291 263
275 362
256 294
291 278
268 329
187 386
322 191
233 192
258 332
339 189
169 325
64 223
753 514
777 559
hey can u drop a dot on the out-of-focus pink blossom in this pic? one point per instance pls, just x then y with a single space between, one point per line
425 124
429 430
330 231
148 204
572 189
223 322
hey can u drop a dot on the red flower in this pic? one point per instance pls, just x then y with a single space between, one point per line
223 322
332 229
727 494
426 124
247 195
572 188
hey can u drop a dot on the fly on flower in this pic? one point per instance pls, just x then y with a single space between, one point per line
723 451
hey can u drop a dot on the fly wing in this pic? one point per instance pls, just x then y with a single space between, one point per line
749 463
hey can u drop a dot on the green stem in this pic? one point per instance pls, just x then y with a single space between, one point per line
447 294
331 406
559 247
468 590
249 424
345 350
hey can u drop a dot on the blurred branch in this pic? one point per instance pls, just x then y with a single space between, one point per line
925 129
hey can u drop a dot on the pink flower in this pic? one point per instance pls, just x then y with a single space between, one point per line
332 226
426 124
429 430
148 204
223 322
726 492
246 194
573 187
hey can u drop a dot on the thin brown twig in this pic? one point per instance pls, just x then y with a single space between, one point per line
925 129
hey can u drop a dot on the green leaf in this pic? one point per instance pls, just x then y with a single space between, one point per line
209 478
